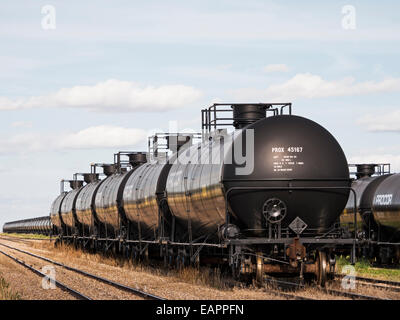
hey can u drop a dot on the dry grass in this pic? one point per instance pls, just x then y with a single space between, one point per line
25 235
202 276
6 293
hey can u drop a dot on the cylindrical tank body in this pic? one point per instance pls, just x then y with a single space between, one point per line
140 198
85 203
194 188
288 152
386 206
68 208
55 210
106 200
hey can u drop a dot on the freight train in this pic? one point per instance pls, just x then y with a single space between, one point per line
262 197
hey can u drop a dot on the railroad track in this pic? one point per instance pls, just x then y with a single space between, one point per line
375 283
117 285
390 285
59 284
340 293
23 240
287 295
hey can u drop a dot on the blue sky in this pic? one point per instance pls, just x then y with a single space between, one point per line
110 72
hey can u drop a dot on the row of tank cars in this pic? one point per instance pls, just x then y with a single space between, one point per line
266 197
40 225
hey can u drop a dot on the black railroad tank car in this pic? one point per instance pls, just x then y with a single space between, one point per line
364 186
264 198
300 172
378 207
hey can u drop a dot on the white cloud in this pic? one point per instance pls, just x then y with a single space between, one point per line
276 68
307 85
389 122
111 95
103 136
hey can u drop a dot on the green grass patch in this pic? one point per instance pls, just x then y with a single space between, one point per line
26 235
365 269
6 293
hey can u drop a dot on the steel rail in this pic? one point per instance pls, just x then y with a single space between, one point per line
60 285
351 295
327 291
371 280
120 286
286 295
376 283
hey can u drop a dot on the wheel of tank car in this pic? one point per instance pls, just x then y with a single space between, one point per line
122 249
165 258
235 272
179 264
259 270
146 255
331 266
134 255
196 262
397 256
94 246
104 248
126 251
322 268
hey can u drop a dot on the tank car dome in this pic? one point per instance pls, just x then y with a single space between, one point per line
289 152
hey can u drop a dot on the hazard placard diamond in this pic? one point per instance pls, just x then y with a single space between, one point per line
298 225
